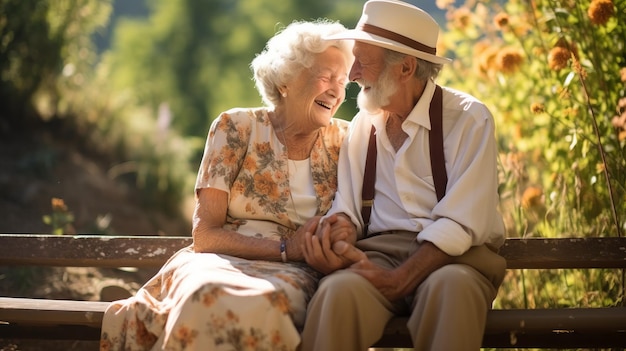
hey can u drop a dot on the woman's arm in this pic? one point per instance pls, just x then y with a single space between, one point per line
209 235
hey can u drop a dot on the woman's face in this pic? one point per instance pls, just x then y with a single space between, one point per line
315 94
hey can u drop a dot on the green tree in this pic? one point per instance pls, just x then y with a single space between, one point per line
45 52
195 56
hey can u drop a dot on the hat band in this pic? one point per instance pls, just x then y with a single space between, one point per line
397 37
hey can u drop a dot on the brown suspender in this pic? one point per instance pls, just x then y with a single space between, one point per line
369 177
435 138
437 159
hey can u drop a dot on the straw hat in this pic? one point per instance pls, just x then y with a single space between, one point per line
397 26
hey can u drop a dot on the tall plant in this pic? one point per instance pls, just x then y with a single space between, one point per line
553 73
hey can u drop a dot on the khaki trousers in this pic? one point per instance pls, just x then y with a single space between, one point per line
447 312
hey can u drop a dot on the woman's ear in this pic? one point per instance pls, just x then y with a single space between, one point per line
283 91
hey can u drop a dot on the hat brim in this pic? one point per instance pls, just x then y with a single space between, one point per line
354 34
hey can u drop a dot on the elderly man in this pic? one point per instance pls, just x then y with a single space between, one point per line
422 239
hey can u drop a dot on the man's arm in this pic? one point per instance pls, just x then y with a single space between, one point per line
399 282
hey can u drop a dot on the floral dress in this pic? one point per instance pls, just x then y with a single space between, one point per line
204 301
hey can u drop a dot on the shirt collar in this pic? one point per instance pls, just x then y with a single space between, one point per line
421 111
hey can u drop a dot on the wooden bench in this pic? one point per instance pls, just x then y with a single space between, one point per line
26 318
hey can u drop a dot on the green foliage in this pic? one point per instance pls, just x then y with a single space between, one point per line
24 40
195 56
156 91
550 72
44 47
554 113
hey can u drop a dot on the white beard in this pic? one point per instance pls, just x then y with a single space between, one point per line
379 93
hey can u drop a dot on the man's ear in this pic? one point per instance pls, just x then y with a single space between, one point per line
408 68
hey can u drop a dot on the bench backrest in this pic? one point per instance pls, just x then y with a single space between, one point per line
153 251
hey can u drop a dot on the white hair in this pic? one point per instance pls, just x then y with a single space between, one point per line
290 51
425 69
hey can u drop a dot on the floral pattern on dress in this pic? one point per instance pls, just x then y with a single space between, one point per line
204 301
244 157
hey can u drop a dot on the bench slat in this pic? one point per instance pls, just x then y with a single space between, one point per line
153 251
88 250
502 325
51 312
543 253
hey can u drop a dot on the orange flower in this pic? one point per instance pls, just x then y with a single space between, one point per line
532 197
537 108
185 336
509 60
276 338
263 149
280 301
58 205
264 184
232 316
209 297
225 122
250 164
622 74
461 18
229 157
501 20
600 11
570 46
558 58
251 342
487 59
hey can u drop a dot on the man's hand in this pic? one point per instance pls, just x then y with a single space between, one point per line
386 281
402 280
318 248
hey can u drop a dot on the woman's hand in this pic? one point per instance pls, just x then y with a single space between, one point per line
296 243
318 248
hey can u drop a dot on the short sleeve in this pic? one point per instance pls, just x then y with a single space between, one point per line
226 144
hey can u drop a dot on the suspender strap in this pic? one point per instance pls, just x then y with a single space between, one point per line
435 138
369 177
437 159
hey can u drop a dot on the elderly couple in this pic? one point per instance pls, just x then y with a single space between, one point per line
295 246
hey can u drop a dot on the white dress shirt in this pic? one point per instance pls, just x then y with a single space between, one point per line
405 197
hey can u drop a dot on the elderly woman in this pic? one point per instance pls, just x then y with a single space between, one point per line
266 172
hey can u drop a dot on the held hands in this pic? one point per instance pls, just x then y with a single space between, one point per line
390 283
331 247
295 244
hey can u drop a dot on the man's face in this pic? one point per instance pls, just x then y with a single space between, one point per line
376 80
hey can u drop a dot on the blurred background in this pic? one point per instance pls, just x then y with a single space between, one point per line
105 106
